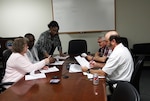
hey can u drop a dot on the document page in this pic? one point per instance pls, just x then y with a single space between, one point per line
51 69
61 57
35 76
82 61
57 63
75 68
90 76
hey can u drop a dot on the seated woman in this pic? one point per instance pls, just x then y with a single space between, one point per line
18 64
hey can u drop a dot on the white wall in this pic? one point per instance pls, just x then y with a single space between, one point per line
18 17
133 20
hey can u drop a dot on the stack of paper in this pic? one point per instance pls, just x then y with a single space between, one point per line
35 76
89 75
75 68
57 63
51 69
61 57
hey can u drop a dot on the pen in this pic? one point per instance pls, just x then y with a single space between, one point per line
49 56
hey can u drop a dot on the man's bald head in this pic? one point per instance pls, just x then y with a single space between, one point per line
110 33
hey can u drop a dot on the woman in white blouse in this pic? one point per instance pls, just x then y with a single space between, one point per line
18 63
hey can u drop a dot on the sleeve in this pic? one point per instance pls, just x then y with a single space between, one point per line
41 43
35 53
24 65
111 64
59 46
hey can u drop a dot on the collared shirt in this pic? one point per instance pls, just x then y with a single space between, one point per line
47 43
119 65
105 51
33 55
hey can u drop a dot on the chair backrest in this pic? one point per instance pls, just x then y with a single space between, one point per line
124 41
77 47
137 72
125 92
5 55
1 74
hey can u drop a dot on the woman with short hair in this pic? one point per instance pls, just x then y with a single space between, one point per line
18 64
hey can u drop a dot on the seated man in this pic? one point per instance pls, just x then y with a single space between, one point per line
119 65
103 53
32 51
100 57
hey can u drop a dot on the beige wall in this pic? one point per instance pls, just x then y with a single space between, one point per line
132 20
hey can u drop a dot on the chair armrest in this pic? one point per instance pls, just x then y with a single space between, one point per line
2 88
6 83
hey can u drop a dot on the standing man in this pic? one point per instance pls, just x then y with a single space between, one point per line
48 41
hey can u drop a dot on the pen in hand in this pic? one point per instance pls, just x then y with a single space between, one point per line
48 59
49 56
51 59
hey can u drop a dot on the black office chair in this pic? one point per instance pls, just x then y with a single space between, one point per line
125 91
124 41
77 47
135 78
6 54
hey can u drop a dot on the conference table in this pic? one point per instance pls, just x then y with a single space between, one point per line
77 87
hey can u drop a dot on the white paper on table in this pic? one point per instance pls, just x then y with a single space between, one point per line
57 63
90 76
32 73
82 61
35 76
61 57
75 68
51 69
